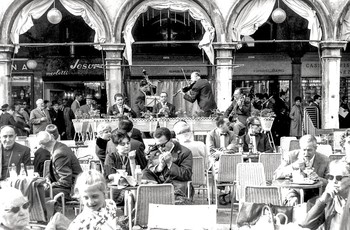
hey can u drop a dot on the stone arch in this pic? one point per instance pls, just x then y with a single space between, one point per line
339 23
327 26
16 6
209 6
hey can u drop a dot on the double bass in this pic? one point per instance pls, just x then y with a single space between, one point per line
152 86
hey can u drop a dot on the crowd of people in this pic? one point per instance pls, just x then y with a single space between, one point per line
170 158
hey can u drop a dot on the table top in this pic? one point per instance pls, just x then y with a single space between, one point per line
115 186
290 184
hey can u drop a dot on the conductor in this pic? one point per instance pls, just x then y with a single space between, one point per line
201 92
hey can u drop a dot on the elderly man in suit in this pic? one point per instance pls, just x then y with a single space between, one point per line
11 152
164 108
39 117
259 140
305 159
119 108
64 165
202 93
139 105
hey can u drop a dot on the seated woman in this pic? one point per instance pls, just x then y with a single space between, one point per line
123 158
103 136
14 209
99 212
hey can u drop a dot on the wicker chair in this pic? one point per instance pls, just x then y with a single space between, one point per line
200 179
263 194
147 194
285 143
249 174
270 161
294 144
226 175
333 157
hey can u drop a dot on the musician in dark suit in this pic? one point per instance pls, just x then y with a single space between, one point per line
11 152
238 111
139 105
202 93
259 140
164 108
119 108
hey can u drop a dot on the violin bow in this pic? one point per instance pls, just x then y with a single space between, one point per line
184 76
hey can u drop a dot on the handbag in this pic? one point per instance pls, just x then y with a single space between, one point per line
269 221
250 213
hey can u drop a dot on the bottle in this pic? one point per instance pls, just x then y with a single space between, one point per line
240 146
250 146
138 174
22 172
13 171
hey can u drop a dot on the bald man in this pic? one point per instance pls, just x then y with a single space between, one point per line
11 152
39 117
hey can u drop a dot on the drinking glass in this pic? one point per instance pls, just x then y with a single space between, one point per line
30 170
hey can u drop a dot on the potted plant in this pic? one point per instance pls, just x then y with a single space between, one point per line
266 116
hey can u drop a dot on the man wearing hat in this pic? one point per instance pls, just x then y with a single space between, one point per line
39 117
140 100
88 107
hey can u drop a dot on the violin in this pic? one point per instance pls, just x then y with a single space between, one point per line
186 88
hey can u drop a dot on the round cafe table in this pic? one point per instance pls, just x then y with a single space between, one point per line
298 185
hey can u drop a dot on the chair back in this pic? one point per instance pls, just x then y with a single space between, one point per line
270 161
334 157
294 144
285 143
198 172
263 194
336 139
325 149
155 194
249 174
46 168
227 167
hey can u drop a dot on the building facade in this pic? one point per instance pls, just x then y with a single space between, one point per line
104 47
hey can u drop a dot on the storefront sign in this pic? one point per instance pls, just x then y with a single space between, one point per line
312 69
71 67
20 66
255 67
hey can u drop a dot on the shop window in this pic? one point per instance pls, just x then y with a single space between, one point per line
21 91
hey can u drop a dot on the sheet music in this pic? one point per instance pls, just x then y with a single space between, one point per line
343 112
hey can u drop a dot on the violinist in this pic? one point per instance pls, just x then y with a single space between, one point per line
119 108
140 99
239 111
164 108
200 91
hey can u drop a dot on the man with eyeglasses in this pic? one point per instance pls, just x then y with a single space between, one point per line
168 162
254 136
14 209
329 207
308 161
164 108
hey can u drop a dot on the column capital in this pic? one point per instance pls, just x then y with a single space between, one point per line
108 47
224 46
333 44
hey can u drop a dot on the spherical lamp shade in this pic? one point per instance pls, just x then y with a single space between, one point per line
31 64
278 15
54 16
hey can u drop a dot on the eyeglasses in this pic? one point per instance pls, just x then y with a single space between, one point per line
257 124
162 145
16 209
337 177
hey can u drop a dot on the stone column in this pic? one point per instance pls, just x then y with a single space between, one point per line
113 63
6 52
224 71
330 82
296 79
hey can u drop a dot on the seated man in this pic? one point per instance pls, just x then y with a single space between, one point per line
185 137
120 108
259 140
304 159
64 165
168 162
220 139
164 108
12 152
330 207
